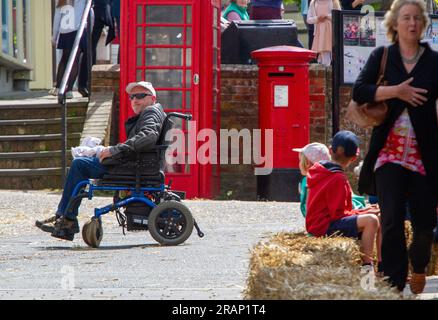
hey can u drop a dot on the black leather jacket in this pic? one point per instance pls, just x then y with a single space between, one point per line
143 131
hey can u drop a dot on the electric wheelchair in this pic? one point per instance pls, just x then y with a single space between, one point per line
141 199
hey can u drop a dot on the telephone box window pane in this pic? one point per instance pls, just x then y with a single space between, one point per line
188 79
180 166
163 35
189 14
180 124
165 78
139 36
164 57
214 79
139 57
188 57
164 14
214 38
170 99
215 55
189 36
139 14
215 16
188 100
139 75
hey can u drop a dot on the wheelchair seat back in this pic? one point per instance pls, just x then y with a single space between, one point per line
148 165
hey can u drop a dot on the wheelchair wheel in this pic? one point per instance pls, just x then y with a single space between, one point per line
92 232
170 223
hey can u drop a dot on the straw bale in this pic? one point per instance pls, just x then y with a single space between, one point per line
295 266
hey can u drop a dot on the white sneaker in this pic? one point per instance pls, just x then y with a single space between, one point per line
69 95
368 278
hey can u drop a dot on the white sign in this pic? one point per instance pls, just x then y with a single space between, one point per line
281 96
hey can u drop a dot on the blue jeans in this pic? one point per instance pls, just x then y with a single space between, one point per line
82 168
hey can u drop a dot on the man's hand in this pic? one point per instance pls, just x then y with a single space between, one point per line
105 153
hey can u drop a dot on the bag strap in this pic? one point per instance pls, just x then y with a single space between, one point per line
382 66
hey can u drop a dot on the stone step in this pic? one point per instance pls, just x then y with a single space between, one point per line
31 179
40 126
32 160
43 142
40 110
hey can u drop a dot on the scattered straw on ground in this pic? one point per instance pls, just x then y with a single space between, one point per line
298 267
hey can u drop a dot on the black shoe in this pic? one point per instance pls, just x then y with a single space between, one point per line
65 228
84 92
47 225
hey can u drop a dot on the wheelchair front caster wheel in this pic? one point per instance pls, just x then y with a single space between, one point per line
170 223
92 232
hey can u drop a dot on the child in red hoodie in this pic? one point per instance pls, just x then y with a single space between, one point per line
329 206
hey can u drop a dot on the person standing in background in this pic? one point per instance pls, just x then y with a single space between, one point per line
265 9
352 4
320 14
236 11
115 11
67 19
310 28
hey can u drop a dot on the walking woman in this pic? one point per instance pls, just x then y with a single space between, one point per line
68 15
401 166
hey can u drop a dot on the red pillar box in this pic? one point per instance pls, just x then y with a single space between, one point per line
283 107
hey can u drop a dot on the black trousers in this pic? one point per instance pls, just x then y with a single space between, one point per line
398 187
79 66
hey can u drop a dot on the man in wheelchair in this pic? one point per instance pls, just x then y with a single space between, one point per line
143 131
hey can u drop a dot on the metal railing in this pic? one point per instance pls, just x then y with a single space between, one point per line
62 101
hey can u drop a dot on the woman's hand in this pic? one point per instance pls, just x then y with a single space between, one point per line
412 95
321 18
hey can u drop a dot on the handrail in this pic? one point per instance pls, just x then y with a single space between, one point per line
61 93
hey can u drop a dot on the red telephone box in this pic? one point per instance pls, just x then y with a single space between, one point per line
284 107
175 45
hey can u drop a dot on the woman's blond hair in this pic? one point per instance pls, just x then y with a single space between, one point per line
391 16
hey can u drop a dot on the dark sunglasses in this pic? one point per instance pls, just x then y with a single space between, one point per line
139 95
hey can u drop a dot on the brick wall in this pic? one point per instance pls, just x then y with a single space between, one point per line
239 110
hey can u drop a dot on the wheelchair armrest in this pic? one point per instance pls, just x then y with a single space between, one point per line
185 116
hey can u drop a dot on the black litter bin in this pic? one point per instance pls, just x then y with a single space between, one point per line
243 37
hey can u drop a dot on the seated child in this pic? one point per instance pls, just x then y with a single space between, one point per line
329 206
308 156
